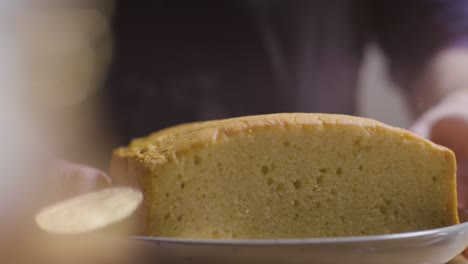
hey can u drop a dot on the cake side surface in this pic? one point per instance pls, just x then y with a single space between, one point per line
290 175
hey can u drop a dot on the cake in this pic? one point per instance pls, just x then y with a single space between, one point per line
291 175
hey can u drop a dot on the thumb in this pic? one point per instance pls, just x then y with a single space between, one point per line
452 132
73 179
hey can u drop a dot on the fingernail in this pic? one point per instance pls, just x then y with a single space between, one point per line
102 181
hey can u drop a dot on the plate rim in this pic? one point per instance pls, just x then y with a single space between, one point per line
309 241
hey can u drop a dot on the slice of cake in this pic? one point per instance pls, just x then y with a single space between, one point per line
289 176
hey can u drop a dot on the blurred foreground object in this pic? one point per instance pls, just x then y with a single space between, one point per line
90 211
63 53
53 57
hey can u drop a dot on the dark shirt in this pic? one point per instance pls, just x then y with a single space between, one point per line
181 61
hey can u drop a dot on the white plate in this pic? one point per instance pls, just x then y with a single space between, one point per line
436 246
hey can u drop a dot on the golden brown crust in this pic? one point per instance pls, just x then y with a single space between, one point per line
158 147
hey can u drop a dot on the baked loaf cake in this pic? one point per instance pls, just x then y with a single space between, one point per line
289 176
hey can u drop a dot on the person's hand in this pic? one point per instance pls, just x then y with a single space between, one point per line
447 124
73 178
452 132
51 181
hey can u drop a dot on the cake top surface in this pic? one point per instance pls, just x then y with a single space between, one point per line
157 147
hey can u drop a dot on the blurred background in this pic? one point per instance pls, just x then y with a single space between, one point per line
55 56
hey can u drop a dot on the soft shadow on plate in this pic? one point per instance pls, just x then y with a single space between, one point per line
436 246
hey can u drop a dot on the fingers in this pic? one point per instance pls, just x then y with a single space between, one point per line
452 132
73 179
462 184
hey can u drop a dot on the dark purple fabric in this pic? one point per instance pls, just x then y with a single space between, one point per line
411 32
180 61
